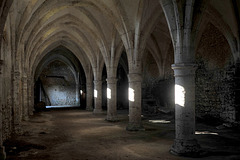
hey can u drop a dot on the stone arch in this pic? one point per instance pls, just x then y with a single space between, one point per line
213 17
52 58
215 95
62 55
213 41
99 6
5 5
83 60
62 36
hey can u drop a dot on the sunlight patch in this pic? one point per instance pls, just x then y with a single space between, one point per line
180 95
109 95
131 94
95 93
159 121
206 132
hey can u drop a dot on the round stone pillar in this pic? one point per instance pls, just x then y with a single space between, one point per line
30 96
25 99
184 143
17 113
89 88
2 153
77 94
97 97
112 100
2 150
135 99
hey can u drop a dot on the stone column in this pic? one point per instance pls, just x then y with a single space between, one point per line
1 64
40 92
184 142
30 96
89 88
135 102
97 96
16 101
2 150
77 94
112 100
25 98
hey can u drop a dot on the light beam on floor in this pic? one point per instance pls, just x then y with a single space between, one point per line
206 132
159 121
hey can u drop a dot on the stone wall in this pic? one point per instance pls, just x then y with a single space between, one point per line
58 84
6 95
216 77
216 93
158 86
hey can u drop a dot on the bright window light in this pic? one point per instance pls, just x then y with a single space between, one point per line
131 94
179 95
206 132
109 93
81 92
95 93
159 121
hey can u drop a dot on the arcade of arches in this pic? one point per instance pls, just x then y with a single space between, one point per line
145 56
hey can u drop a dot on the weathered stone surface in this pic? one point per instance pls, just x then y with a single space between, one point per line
135 96
112 100
59 85
89 105
2 153
97 97
150 35
215 93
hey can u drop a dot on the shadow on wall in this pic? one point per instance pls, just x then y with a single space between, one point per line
216 77
58 85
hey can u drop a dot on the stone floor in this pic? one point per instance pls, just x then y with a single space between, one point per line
72 134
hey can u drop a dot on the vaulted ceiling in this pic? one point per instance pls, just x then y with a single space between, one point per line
96 31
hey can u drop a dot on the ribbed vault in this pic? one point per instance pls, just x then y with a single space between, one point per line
94 36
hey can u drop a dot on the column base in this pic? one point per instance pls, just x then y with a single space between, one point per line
135 127
2 153
112 119
31 113
25 118
17 129
97 111
89 109
188 148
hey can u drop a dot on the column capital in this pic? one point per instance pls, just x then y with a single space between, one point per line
30 79
16 75
25 79
184 69
135 77
111 80
97 82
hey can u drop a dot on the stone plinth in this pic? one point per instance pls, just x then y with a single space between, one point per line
2 153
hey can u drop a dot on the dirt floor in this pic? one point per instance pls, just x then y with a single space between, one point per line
72 134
